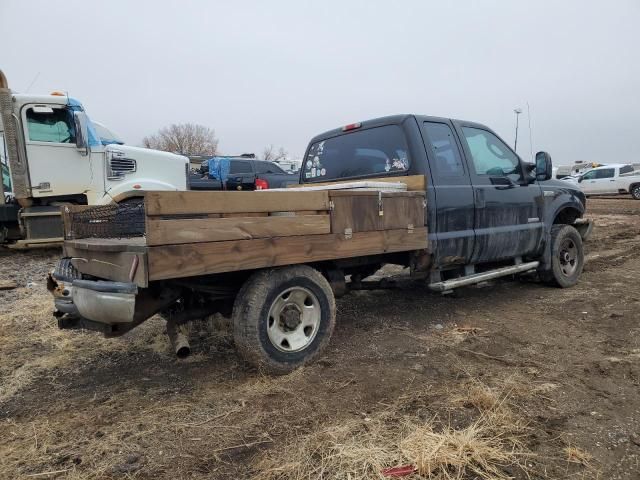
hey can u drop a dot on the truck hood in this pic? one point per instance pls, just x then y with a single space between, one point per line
152 169
147 154
567 187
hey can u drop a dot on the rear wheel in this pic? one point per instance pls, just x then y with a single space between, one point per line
635 191
283 318
567 257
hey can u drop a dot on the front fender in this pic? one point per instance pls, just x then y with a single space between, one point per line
557 199
134 188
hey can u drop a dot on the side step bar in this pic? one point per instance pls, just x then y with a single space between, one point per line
447 285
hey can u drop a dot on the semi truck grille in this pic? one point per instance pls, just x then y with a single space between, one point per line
120 166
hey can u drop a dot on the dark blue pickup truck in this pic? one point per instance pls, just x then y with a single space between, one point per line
447 198
240 173
485 205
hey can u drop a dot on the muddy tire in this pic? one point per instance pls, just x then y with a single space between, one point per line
567 257
635 191
283 318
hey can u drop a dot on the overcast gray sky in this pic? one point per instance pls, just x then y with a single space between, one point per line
279 72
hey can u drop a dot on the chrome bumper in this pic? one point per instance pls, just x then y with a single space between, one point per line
104 302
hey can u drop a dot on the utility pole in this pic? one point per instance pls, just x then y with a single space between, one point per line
517 111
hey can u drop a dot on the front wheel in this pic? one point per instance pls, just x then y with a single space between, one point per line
567 257
283 318
635 192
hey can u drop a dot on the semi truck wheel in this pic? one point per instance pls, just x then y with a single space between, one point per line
635 192
283 318
567 257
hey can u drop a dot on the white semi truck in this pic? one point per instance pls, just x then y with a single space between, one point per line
52 155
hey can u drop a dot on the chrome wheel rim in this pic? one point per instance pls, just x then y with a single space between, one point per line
294 320
568 256
635 193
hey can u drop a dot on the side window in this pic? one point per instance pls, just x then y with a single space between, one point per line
606 173
590 175
267 167
626 169
447 160
240 166
490 155
55 126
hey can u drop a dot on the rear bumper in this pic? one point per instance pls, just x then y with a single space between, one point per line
105 302
108 303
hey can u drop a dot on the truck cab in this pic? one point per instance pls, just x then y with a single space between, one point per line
484 203
55 156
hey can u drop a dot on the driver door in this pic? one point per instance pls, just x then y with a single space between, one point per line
56 167
508 211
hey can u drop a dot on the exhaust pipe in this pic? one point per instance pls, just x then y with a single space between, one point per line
179 336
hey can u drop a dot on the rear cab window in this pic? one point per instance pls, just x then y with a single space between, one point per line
377 151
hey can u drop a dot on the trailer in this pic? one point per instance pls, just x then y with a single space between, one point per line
272 260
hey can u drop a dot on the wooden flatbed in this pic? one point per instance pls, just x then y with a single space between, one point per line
189 234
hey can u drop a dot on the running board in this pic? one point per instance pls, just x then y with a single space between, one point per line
447 285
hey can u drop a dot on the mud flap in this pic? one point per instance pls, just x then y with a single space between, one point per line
584 226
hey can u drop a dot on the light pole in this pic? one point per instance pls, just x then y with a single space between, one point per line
517 111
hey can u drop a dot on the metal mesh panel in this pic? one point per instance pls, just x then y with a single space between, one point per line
108 221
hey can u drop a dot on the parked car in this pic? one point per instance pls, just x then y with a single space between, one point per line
615 179
239 173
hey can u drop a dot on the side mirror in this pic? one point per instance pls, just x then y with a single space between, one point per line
544 169
81 122
580 178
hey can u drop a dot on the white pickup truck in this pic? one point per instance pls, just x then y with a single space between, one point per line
614 179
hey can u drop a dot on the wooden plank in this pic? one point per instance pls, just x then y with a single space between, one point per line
167 232
175 261
359 213
170 203
134 244
413 182
400 212
115 266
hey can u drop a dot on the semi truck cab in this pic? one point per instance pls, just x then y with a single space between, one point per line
55 156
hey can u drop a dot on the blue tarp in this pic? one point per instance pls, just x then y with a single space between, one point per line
219 168
94 138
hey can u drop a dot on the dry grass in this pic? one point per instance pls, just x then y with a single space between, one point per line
576 455
362 448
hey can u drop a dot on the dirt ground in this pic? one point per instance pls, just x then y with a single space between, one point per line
525 380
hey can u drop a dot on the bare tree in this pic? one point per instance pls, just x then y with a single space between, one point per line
184 138
269 153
